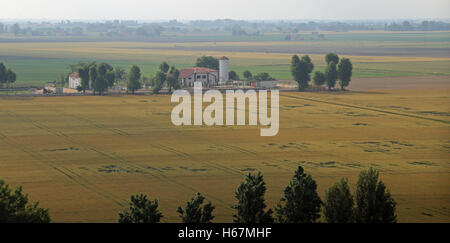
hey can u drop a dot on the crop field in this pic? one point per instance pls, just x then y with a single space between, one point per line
83 157
374 54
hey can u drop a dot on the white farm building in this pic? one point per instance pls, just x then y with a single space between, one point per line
74 81
208 77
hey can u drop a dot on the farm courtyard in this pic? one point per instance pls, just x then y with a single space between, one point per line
82 157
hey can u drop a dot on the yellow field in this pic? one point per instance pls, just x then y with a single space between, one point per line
150 51
83 157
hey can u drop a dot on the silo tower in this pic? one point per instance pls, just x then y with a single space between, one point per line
223 70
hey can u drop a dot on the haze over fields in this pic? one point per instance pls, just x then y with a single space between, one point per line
230 9
83 155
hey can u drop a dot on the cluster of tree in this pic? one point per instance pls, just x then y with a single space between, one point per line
166 75
15 208
149 30
232 76
16 29
248 76
239 31
300 203
336 70
423 26
142 210
7 76
213 63
208 62
297 37
134 79
131 29
99 77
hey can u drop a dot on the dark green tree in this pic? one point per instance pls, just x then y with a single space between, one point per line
300 203
173 81
250 207
120 74
338 207
100 84
14 207
104 73
141 210
247 75
263 77
164 67
10 76
207 62
232 75
110 77
374 203
331 75
103 68
159 80
3 75
301 70
134 79
331 57
193 211
345 69
6 75
319 78
83 73
93 73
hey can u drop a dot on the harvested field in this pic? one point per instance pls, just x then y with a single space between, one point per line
83 157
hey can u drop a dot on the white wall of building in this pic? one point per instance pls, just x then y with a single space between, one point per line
223 71
205 78
74 82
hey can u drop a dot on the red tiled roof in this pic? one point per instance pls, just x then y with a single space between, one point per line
187 72
224 58
74 75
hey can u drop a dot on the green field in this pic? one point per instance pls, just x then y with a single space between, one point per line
374 54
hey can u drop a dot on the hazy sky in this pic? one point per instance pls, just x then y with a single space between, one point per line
214 9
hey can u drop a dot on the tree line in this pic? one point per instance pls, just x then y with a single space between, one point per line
340 70
101 76
300 203
130 29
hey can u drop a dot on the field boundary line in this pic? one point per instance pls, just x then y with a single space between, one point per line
68 173
119 159
366 108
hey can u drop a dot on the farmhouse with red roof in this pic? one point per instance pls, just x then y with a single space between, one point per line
208 77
